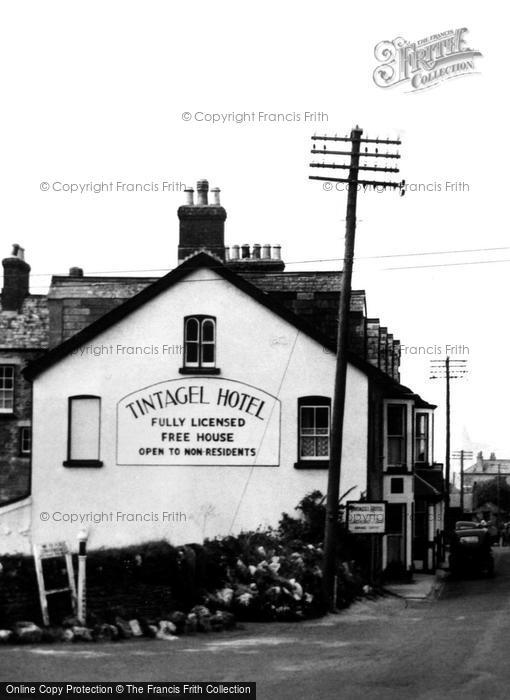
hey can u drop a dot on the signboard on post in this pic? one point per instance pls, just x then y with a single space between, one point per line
57 550
366 517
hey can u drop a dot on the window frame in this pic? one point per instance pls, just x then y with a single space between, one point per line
403 436
315 461
425 436
200 366
8 366
22 429
70 462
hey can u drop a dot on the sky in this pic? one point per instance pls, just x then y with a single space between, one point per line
125 92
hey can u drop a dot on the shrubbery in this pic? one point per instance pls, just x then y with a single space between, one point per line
272 574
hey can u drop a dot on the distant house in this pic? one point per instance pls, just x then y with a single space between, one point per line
485 470
482 471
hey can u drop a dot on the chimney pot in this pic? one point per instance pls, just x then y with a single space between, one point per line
18 251
266 252
75 272
277 252
227 253
235 252
202 190
16 279
245 251
216 196
201 227
256 251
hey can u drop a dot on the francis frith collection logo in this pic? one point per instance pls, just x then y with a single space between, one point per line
425 63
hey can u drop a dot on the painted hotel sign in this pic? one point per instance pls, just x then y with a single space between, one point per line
198 421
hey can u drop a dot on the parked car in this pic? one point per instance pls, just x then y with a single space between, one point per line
471 549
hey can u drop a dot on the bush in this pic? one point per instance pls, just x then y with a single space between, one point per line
272 574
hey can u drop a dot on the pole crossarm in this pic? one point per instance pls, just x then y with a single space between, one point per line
395 142
355 181
347 167
362 155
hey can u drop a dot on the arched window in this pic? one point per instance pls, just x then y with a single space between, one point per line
199 342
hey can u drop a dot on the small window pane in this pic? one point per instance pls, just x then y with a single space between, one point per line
396 451
192 329
322 446
192 352
322 417
6 388
307 415
395 420
208 353
208 331
308 447
25 440
397 485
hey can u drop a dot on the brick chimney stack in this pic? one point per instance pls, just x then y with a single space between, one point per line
201 225
16 279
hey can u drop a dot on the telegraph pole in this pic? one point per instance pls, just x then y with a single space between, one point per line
462 454
499 495
353 182
447 460
448 369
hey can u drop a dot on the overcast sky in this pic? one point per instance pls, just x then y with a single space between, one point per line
95 92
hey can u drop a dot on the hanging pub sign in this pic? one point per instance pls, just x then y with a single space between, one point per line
366 517
198 421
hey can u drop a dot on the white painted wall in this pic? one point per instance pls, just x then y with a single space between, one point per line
15 527
253 346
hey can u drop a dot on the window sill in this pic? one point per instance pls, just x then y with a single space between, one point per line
312 464
397 470
199 370
83 463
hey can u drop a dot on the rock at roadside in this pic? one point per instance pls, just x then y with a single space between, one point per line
166 631
27 633
106 633
203 616
82 634
124 628
179 620
67 635
191 624
136 628
222 620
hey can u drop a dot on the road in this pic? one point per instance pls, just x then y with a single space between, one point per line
454 647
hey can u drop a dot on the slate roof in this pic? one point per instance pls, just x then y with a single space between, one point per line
203 260
490 466
311 295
